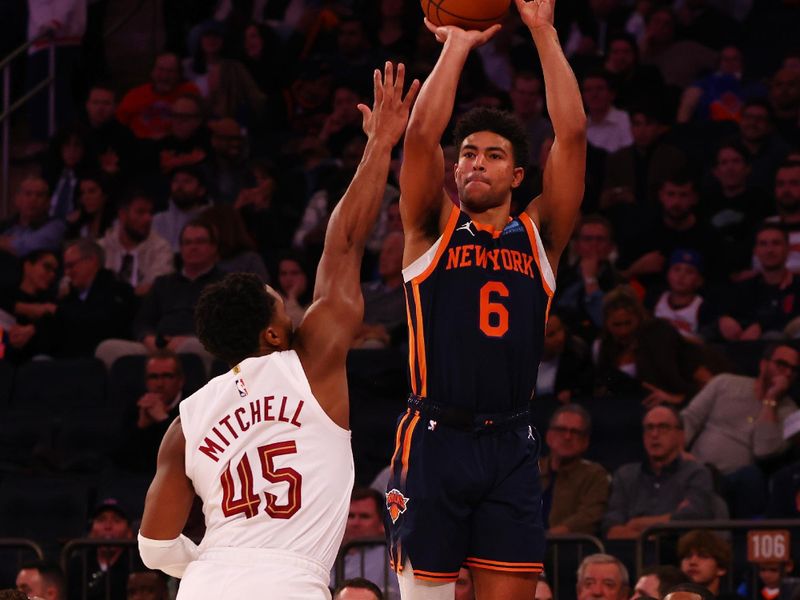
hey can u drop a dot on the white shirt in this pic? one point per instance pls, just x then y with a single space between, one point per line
612 132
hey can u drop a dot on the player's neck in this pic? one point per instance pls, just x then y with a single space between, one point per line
495 217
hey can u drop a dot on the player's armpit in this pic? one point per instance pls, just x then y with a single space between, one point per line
171 494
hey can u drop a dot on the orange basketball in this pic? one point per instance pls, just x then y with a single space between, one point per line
467 14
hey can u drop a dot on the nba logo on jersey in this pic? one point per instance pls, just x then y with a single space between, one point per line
241 388
396 504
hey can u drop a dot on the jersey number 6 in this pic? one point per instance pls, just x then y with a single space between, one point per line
249 501
494 316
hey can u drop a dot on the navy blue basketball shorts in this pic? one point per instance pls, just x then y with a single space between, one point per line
464 498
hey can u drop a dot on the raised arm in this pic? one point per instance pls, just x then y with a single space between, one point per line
422 197
556 210
331 322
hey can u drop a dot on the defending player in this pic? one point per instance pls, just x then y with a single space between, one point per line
464 487
266 446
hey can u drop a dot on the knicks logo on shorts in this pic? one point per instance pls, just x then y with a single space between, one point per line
396 504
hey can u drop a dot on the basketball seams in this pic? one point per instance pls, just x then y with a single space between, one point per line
440 10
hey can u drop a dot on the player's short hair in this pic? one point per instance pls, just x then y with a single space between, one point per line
668 577
358 583
603 559
231 314
51 574
707 542
501 122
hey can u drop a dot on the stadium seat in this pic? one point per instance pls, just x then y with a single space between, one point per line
60 386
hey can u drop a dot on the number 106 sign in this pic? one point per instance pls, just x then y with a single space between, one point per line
765 545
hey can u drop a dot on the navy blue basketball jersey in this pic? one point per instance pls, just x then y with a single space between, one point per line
477 306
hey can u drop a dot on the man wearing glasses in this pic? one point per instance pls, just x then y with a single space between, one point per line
154 410
736 420
664 487
575 490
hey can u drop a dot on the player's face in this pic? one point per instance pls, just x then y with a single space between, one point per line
363 520
646 586
485 173
601 581
701 568
683 278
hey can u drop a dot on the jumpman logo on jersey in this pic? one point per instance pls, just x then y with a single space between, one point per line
466 226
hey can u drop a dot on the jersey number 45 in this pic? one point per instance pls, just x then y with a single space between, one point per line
249 501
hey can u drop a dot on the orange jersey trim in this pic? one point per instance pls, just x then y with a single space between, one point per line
446 235
434 576
496 565
407 447
527 222
397 437
420 335
412 361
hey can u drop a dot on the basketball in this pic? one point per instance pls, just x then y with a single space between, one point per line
467 14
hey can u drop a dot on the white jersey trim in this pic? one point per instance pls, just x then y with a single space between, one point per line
417 268
544 263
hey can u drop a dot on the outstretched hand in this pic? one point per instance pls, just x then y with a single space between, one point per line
389 113
536 13
473 37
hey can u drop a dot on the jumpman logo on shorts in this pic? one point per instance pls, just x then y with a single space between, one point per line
530 433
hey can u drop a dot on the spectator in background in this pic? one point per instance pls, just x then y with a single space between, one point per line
384 298
763 305
565 371
735 421
233 93
635 84
733 208
344 121
166 315
766 149
357 588
602 576
208 38
188 142
10 594
147 585
681 305
31 307
575 490
655 582
97 306
155 410
134 252
365 520
608 128
635 173
294 286
721 95
583 284
146 110
665 487
66 163
95 211
527 104
787 203
236 249
784 98
227 165
188 198
705 559
42 579
113 144
639 355
108 566
680 61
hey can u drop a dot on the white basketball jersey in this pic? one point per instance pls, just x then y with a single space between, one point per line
686 320
273 470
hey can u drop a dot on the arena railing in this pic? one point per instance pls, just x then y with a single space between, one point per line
555 545
768 540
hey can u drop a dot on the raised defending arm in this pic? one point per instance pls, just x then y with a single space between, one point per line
422 172
556 210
